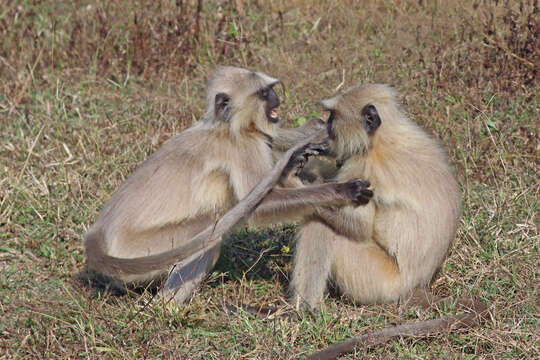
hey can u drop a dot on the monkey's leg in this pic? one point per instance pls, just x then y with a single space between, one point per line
192 271
158 240
364 271
312 260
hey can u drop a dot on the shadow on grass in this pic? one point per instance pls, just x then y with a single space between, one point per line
264 254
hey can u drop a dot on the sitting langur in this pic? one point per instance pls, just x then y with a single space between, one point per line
194 178
382 251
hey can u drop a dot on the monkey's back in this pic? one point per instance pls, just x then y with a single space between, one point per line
181 181
418 204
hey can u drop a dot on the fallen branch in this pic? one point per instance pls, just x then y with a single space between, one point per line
507 50
421 328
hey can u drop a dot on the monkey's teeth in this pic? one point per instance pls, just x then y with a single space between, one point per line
273 114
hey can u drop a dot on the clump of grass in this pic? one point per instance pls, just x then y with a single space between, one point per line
512 54
104 38
497 52
158 39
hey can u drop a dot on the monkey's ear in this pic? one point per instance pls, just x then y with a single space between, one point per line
222 107
370 119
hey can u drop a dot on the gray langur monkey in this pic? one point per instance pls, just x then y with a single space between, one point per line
195 178
382 251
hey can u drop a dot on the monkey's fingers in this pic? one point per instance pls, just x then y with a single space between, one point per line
359 192
296 163
299 165
360 184
364 197
323 147
317 149
363 183
300 157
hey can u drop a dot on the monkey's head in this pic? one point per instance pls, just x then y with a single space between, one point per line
243 99
359 116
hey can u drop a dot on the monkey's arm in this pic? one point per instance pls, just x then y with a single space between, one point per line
289 204
351 222
288 137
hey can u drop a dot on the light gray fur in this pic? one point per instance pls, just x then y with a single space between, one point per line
192 181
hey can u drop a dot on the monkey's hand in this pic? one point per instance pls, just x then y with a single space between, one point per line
356 191
315 123
301 156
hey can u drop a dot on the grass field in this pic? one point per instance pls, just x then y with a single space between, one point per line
88 89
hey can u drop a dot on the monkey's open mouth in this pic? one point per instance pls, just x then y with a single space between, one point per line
272 116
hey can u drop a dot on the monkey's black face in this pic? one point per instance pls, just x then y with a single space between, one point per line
271 99
330 125
332 134
370 121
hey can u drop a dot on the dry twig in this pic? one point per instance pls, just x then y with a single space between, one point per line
420 328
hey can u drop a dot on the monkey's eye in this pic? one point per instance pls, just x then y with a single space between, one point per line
264 93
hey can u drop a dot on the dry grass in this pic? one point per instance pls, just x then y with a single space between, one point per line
89 89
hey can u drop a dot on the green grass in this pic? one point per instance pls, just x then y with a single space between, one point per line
86 95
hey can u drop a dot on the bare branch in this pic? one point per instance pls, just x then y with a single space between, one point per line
420 328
